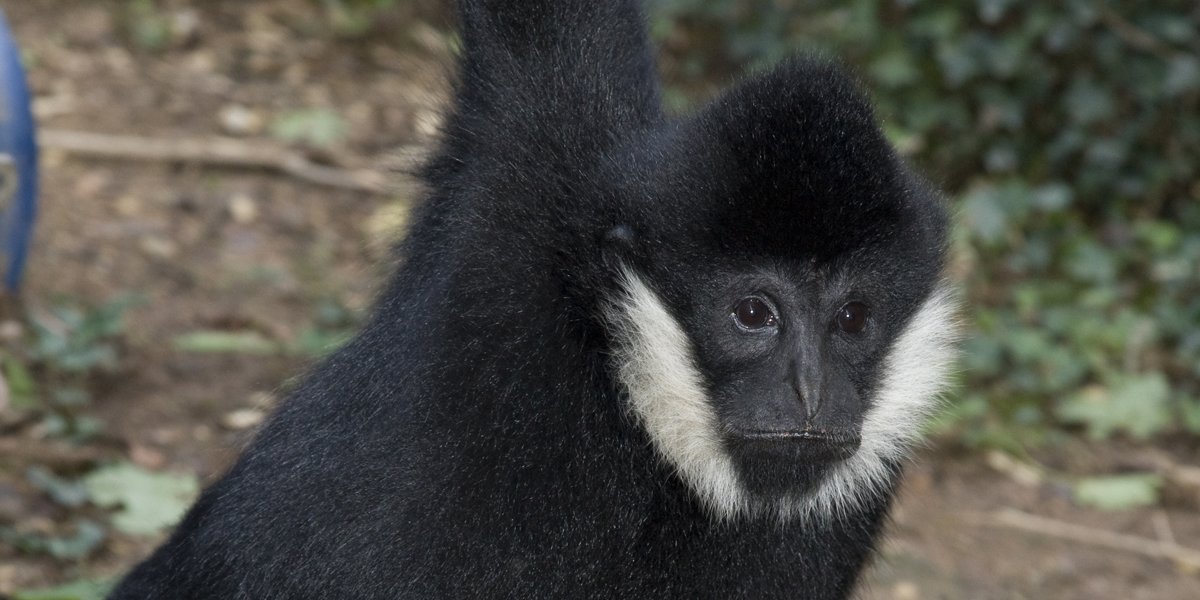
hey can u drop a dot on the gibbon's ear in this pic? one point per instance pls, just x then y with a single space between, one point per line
618 248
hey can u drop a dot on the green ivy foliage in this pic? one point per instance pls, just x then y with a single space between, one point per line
1067 135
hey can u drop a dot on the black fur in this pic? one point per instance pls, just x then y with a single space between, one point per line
472 442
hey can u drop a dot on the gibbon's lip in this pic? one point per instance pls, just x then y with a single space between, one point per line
831 437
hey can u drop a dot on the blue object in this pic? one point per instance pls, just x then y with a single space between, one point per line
18 160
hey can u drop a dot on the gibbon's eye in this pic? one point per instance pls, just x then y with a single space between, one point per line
753 313
852 317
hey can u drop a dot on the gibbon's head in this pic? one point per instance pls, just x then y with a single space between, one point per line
780 326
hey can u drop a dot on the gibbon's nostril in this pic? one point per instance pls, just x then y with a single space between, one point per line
810 402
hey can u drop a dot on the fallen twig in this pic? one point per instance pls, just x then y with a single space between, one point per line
21 450
1024 473
1024 521
219 151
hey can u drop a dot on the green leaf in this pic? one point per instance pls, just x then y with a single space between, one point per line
88 536
148 26
1109 154
1092 262
1061 369
320 342
1087 102
1006 56
1119 492
984 214
958 62
320 127
906 143
1161 236
939 25
226 342
1052 197
894 69
71 396
1001 158
22 391
991 11
63 491
83 589
1191 415
1137 405
1183 75
82 360
1027 345
150 501
1174 28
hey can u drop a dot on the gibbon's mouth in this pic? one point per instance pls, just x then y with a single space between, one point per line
830 437
817 444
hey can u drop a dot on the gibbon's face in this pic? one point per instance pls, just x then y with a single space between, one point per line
790 358
785 391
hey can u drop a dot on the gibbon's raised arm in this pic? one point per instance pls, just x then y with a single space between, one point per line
555 82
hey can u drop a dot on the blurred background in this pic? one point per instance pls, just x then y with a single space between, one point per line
221 182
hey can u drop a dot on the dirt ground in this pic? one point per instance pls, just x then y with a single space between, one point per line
251 250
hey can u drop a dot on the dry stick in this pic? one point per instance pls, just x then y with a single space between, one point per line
1024 521
25 450
216 151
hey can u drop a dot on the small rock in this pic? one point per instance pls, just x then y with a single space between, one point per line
165 436
243 419
243 209
129 206
185 26
146 457
91 184
906 590
203 62
202 433
236 119
11 331
120 61
158 247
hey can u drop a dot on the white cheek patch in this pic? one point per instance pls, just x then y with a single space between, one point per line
653 358
666 393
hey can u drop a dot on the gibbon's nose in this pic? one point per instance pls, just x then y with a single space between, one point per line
806 383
